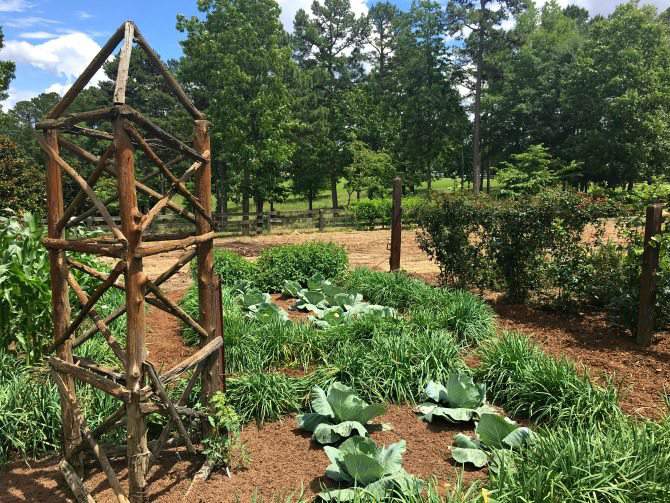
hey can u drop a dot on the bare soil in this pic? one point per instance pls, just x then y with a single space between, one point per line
285 461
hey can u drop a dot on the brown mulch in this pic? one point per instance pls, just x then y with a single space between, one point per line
606 352
283 460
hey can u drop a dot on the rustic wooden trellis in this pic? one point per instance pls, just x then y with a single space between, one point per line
140 388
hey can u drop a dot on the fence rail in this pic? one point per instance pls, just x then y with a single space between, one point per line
240 224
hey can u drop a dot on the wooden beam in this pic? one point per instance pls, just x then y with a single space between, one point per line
86 188
207 295
198 357
110 422
91 181
86 432
396 225
90 132
168 139
134 134
97 320
108 386
95 296
147 250
60 301
75 483
170 80
650 262
93 247
162 394
121 310
131 218
106 113
175 310
124 64
162 203
183 400
88 73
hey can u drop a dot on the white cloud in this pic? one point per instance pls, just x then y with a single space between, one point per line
57 87
82 14
606 7
16 95
13 5
37 35
290 7
65 55
27 22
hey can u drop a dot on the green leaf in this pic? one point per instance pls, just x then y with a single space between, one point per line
450 414
391 457
463 392
492 430
466 442
476 457
309 422
320 404
371 411
326 433
291 288
363 468
436 392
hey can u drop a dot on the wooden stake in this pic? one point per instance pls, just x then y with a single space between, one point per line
124 64
650 261
59 293
74 483
396 224
95 447
135 280
171 81
212 375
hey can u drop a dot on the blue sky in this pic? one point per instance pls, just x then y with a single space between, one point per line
51 41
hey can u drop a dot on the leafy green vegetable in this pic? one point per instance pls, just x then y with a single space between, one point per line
460 401
373 471
259 305
338 414
492 432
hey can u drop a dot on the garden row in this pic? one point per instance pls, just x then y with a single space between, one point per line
583 448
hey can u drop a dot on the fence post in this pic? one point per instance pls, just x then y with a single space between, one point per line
396 224
322 221
650 260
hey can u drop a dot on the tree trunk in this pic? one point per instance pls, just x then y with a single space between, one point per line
488 177
245 200
310 202
476 136
333 191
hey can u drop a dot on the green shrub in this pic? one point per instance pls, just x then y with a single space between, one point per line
232 268
485 242
529 383
371 213
299 262
616 461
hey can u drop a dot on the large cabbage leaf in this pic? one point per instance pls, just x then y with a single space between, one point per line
373 470
338 414
493 435
461 400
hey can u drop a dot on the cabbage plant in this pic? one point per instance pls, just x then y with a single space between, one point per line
259 305
372 471
461 400
338 414
492 434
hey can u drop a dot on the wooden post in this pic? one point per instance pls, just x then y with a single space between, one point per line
213 372
59 293
135 280
322 221
650 260
396 224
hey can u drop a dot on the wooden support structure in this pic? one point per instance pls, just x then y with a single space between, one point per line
396 224
650 261
135 382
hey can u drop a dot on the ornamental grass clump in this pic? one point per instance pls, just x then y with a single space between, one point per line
529 383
